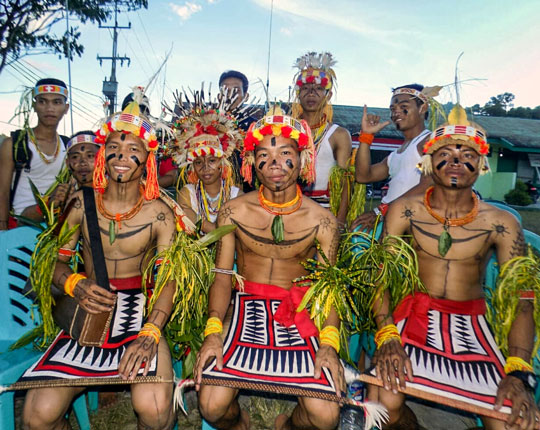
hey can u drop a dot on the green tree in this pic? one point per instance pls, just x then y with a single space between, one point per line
27 25
520 112
499 105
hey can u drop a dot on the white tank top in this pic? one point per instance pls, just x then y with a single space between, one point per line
41 174
195 201
404 174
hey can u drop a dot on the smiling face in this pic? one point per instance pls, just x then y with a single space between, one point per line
50 108
405 112
208 169
125 157
80 161
277 162
455 166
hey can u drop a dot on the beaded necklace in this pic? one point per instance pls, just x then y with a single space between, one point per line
41 154
116 219
205 201
277 223
445 240
320 130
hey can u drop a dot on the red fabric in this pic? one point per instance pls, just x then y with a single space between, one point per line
166 166
12 223
286 313
415 309
383 207
316 193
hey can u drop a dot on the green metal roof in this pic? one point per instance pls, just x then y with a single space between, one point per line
516 134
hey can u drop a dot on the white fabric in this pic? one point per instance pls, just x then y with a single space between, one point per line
324 161
41 174
404 174
195 204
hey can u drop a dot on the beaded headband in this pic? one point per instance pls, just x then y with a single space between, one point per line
280 125
81 138
50 89
411 92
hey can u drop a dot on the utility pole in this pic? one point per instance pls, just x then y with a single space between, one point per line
110 87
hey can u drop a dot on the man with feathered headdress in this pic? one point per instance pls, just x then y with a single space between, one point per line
132 221
409 108
442 343
315 82
276 229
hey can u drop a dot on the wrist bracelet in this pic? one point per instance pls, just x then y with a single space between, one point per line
71 283
213 326
387 333
150 330
330 336
517 363
366 138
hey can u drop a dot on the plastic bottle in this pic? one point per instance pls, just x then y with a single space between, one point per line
352 418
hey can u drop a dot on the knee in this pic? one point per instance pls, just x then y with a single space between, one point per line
213 408
154 407
40 413
326 418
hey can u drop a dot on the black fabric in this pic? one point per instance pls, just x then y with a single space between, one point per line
100 268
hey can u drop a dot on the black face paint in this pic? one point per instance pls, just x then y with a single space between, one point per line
456 160
110 157
120 177
405 111
453 182
261 164
440 165
470 166
122 137
273 141
120 156
289 164
274 162
458 146
82 148
136 160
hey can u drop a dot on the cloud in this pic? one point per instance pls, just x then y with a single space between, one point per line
347 19
286 31
186 10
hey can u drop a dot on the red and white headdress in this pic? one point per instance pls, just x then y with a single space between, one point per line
458 130
129 121
314 68
278 124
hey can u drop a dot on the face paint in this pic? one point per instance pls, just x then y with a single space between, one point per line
273 141
82 148
405 111
261 164
456 160
289 164
274 162
120 178
136 160
458 146
453 182
110 157
469 166
120 156
440 165
123 137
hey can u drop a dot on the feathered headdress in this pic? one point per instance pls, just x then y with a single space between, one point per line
314 68
277 124
129 121
458 130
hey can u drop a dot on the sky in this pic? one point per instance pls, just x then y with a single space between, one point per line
377 45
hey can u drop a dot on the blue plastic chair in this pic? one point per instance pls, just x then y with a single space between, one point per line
20 315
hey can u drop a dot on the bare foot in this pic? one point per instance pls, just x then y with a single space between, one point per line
281 421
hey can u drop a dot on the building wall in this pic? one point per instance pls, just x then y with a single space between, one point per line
494 185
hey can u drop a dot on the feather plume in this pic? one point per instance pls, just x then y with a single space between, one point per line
458 116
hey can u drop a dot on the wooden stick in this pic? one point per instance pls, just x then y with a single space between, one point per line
454 403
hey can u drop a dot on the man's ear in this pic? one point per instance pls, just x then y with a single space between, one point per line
328 95
245 97
66 109
423 108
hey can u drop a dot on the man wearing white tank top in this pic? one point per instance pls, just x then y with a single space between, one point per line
408 108
314 82
47 155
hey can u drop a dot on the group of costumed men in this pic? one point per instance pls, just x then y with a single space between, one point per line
270 307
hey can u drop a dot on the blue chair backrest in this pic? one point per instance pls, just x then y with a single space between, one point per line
16 310
504 206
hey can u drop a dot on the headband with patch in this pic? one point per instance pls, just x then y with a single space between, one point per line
50 89
411 92
280 125
81 138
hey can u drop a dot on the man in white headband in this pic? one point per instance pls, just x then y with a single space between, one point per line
408 109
